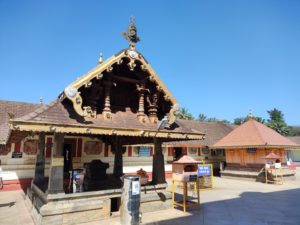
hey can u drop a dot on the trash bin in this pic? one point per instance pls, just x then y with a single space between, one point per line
130 200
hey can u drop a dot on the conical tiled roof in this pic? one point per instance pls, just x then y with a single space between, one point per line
272 155
186 159
253 134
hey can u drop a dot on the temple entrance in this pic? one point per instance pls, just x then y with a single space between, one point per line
67 153
67 158
177 153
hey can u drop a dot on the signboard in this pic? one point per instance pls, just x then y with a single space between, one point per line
17 155
204 170
205 176
135 187
193 178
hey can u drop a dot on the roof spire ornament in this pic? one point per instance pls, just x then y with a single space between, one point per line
250 115
41 100
100 60
131 34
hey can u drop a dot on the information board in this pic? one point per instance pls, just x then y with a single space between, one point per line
135 187
205 176
17 155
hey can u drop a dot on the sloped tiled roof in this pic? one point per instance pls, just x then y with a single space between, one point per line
253 133
213 131
295 139
272 155
186 159
61 112
16 109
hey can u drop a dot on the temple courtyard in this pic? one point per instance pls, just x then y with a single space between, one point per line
232 202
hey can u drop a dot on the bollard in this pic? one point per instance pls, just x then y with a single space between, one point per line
130 201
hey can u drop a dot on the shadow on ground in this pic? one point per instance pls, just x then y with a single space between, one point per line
249 208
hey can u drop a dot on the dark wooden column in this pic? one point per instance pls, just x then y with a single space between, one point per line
56 171
158 164
39 173
118 162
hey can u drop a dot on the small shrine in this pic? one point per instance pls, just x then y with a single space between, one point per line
185 171
273 169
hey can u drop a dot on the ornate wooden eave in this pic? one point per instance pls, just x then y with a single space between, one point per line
72 91
94 130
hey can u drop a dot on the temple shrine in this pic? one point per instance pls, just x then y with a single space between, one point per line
121 102
247 146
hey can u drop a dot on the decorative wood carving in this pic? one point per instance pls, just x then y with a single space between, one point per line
141 111
152 107
107 109
93 147
30 147
87 111
5 149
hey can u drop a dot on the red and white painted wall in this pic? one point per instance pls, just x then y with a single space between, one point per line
18 159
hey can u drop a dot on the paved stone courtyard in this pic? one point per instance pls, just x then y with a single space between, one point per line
232 202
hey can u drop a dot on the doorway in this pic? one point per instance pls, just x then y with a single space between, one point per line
68 167
177 153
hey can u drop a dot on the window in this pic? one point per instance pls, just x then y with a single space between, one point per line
205 151
251 150
144 151
193 151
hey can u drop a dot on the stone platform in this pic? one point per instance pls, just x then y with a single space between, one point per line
254 175
90 206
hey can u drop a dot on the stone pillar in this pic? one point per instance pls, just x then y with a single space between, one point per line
56 171
118 162
39 173
158 164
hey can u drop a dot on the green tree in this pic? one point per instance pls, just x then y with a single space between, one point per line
212 119
184 114
202 117
277 122
225 121
241 120
295 131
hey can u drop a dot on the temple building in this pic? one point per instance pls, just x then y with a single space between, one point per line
202 150
247 146
121 102
294 153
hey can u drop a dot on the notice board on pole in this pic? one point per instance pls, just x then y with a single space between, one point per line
205 176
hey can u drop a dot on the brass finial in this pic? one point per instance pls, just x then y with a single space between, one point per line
100 60
250 115
41 100
131 34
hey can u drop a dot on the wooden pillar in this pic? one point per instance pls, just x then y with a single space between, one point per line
118 162
158 164
56 172
39 173
141 111
106 107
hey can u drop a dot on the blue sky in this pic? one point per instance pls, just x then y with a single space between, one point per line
220 58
